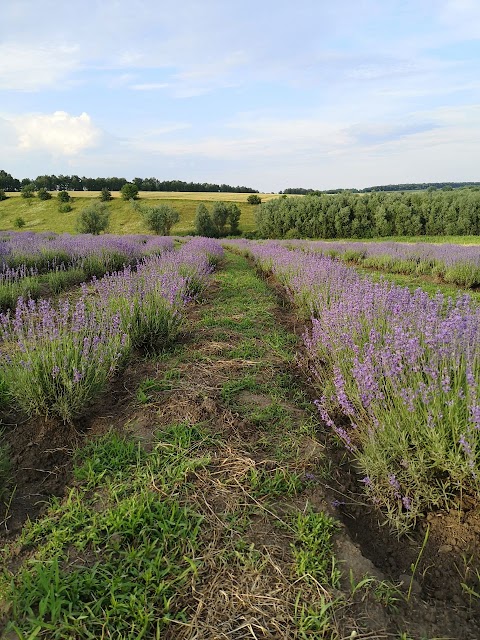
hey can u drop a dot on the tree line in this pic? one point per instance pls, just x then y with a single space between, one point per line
76 183
376 214
413 186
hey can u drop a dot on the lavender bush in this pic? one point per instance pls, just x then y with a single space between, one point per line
59 359
399 375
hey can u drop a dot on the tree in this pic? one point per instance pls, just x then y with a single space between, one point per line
129 191
105 195
234 218
28 190
159 219
43 194
203 222
63 196
220 214
94 218
254 199
7 182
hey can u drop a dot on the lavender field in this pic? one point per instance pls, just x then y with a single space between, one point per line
236 420
452 263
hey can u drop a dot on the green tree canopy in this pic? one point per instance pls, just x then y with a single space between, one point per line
93 219
43 194
28 190
160 218
63 196
129 191
203 222
105 195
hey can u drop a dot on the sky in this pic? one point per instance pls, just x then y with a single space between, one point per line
270 94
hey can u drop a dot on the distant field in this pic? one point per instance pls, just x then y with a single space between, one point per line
170 195
43 215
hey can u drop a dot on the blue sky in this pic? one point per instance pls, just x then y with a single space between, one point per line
269 94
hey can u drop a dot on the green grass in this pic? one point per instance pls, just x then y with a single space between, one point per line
313 547
43 215
113 554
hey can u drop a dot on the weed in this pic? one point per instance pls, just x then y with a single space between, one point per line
149 386
313 548
233 387
274 483
315 621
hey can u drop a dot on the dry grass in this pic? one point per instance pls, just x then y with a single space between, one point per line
243 590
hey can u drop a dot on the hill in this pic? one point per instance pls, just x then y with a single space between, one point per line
43 215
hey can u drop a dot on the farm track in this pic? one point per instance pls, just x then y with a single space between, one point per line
235 377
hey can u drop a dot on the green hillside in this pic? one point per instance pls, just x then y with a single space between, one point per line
43 215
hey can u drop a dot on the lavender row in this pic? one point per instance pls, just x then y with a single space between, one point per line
398 375
57 359
455 264
59 262
49 251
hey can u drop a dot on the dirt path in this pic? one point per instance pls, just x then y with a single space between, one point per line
273 557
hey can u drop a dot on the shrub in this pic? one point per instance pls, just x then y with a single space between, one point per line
63 196
43 194
254 199
129 191
93 219
3 195
159 219
28 190
66 362
105 195
19 223
65 207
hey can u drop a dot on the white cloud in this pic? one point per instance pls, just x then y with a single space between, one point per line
58 133
27 68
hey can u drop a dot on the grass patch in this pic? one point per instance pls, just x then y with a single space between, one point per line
109 560
276 482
